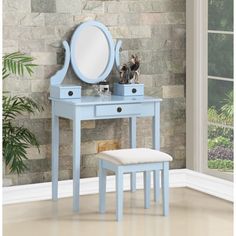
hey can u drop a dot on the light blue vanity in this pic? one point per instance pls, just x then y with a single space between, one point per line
93 39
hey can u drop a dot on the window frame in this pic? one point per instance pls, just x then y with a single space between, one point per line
197 89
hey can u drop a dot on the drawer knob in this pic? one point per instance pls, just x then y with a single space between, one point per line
119 109
134 90
70 93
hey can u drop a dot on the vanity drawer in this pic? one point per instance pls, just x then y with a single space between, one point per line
118 109
128 89
65 91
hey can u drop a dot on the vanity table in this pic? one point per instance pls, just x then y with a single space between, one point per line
67 102
94 108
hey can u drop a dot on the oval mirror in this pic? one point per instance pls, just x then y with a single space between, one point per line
92 52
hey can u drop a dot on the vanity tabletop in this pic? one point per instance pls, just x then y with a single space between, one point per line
112 99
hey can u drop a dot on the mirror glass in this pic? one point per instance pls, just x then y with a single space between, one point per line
92 52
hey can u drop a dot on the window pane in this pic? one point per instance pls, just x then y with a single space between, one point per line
220 148
220 15
220 55
220 102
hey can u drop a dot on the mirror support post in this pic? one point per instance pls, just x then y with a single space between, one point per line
60 75
118 49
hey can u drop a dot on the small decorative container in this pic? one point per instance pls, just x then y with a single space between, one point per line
103 89
128 89
65 91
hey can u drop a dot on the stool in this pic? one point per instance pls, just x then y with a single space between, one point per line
134 160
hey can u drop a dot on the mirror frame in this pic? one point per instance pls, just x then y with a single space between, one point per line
110 42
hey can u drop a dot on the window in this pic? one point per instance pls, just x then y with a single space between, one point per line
209 87
220 88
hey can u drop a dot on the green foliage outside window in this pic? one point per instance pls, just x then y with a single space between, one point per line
220 138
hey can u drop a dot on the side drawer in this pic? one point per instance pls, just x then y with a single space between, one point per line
70 93
118 109
128 89
65 91
134 90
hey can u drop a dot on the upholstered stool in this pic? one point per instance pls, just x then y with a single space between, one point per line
134 160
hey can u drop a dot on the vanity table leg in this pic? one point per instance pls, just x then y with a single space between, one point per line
133 136
156 127
55 155
156 145
76 162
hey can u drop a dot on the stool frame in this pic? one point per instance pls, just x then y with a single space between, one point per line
119 170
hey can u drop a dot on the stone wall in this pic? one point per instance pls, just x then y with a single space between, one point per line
155 30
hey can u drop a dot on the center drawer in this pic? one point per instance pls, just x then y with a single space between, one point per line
118 109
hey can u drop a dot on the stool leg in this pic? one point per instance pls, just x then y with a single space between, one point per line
156 181
102 188
119 194
147 187
133 181
165 188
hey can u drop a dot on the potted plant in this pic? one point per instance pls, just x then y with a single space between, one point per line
17 139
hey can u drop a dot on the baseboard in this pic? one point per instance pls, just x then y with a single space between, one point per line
211 185
178 178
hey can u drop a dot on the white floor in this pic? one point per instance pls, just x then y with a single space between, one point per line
192 213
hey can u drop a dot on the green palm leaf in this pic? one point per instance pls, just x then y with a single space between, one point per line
17 139
17 63
228 105
15 142
13 106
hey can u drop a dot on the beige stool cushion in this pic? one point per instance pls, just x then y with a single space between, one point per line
134 156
